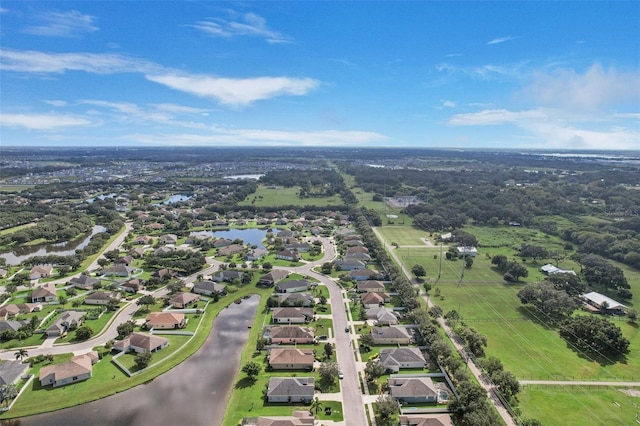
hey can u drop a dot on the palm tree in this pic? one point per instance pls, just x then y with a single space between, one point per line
21 354
316 405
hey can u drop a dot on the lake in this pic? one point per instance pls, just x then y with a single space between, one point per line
193 393
251 236
176 198
67 248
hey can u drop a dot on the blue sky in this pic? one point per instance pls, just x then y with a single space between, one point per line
556 75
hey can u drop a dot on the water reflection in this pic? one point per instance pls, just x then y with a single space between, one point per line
194 393
251 236
67 248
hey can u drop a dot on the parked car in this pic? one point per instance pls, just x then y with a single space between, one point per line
340 374
346 329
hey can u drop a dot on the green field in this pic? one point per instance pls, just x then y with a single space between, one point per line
282 196
579 405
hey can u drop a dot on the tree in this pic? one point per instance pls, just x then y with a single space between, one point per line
507 383
267 266
534 252
8 392
21 354
387 408
143 359
517 271
175 287
252 369
323 300
475 340
468 262
328 350
84 332
595 335
112 305
373 370
632 315
316 405
501 262
419 271
125 329
567 282
546 298
146 301
328 373
326 268
63 300
366 341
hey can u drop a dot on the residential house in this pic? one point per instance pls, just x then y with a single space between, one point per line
291 359
125 260
393 335
12 310
363 257
304 300
357 249
227 276
349 264
287 334
3 272
164 274
78 369
44 293
395 359
255 254
600 302
412 389
381 316
292 286
132 285
66 320
230 250
119 270
364 274
165 320
549 269
353 243
299 418
222 242
141 342
84 282
426 420
372 300
208 288
182 300
13 325
40 271
292 315
466 251
370 286
143 240
273 277
163 251
102 297
290 389
289 255
12 371
168 239
298 247
285 234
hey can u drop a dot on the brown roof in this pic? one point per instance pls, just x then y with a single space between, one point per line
141 340
279 356
184 298
78 365
164 318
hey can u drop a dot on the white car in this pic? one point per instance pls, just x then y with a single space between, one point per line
340 374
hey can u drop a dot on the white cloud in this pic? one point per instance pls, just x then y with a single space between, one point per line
492 117
594 89
98 63
42 121
499 40
56 103
62 24
483 72
447 104
555 135
249 24
254 137
236 91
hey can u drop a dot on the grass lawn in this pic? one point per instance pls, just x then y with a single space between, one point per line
287 196
578 405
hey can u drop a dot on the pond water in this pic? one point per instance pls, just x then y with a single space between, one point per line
67 248
251 236
175 198
194 393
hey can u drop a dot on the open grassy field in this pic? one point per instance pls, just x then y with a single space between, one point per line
579 405
282 196
523 339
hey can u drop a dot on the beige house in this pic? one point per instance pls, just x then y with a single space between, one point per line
291 359
40 271
101 297
182 300
166 320
394 335
78 369
290 334
44 293
141 342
